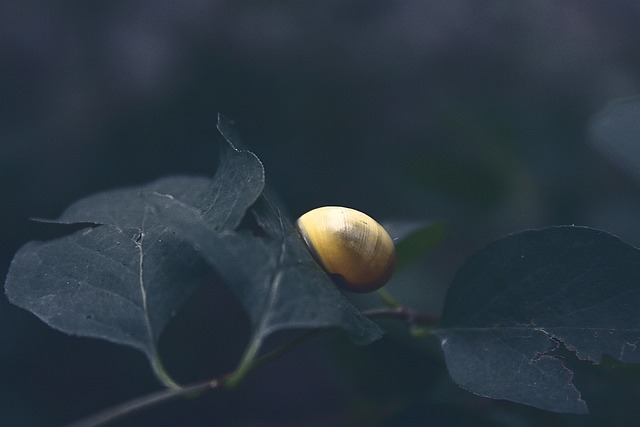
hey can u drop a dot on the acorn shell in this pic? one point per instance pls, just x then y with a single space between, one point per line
350 245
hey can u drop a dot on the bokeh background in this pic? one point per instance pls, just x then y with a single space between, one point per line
475 113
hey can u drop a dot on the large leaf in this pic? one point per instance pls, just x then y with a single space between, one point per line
139 257
517 301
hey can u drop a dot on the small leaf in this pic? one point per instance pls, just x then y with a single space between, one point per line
522 297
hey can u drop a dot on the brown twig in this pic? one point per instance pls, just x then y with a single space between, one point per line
135 405
407 314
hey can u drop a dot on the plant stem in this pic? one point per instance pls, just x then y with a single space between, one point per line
245 366
249 362
286 347
162 374
387 299
407 314
144 402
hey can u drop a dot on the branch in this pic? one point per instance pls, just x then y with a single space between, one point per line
135 405
409 315
406 314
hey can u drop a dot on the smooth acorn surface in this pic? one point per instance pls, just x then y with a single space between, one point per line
350 245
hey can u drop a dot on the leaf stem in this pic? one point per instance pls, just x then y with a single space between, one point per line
246 365
286 347
251 362
162 374
387 299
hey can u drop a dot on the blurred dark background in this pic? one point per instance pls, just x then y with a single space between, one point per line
475 113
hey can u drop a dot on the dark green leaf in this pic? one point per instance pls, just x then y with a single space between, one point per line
123 279
273 274
119 280
123 276
517 301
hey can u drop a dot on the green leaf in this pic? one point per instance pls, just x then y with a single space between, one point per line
517 302
273 275
119 279
140 255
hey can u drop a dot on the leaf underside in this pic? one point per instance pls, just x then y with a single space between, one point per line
523 297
